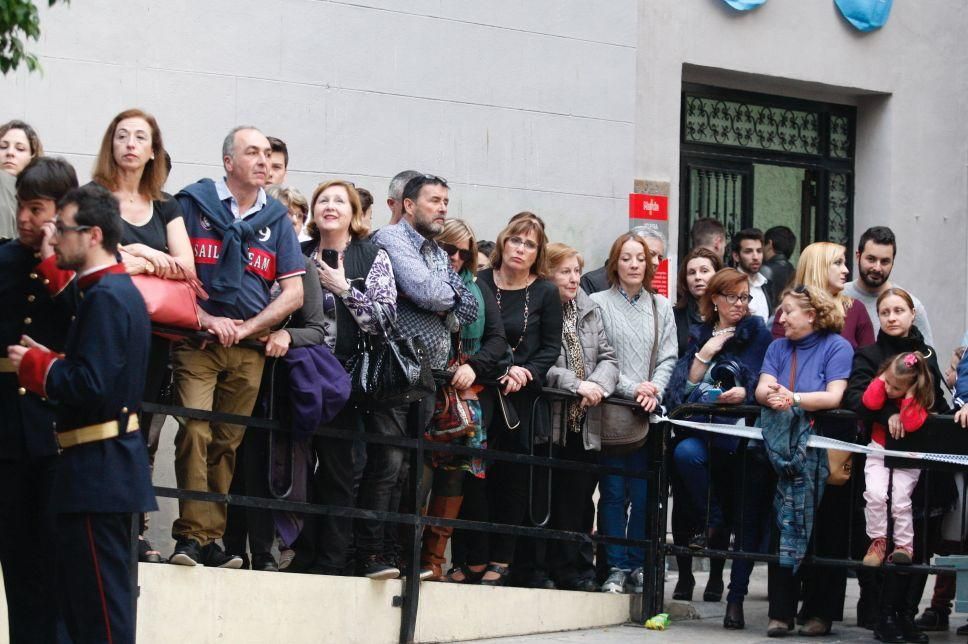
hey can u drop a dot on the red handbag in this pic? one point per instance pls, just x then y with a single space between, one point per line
170 302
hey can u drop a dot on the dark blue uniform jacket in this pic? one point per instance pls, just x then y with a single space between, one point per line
37 302
100 378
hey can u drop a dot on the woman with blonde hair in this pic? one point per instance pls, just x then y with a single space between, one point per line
806 371
823 266
588 369
359 298
480 354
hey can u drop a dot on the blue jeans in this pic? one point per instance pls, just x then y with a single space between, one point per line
613 520
746 485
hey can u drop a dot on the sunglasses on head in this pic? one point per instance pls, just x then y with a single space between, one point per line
450 249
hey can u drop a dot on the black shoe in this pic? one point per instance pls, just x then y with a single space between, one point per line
932 620
265 562
684 588
374 567
887 630
909 631
214 557
734 620
543 583
470 576
714 590
147 554
187 553
867 611
698 541
962 630
502 572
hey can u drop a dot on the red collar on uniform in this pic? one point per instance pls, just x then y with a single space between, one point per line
91 279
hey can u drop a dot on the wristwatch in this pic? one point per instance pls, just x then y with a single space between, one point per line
796 400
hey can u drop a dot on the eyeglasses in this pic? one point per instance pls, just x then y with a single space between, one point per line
801 290
732 298
60 228
450 249
518 242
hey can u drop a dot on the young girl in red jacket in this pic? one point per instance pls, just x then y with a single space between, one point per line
905 381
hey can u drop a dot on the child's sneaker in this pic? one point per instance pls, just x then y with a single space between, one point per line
902 556
876 552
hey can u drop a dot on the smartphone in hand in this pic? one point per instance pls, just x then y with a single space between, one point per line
712 395
331 257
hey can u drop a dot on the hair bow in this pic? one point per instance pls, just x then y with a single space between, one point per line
910 360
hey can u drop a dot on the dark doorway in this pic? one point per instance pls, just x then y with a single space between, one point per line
754 160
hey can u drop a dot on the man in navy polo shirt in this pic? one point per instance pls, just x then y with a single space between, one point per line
243 243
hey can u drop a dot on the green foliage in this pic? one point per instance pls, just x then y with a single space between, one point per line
19 22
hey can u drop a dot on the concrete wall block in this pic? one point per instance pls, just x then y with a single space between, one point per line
347 132
406 54
607 22
239 37
59 102
194 111
99 30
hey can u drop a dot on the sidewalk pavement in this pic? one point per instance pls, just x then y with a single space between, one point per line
707 625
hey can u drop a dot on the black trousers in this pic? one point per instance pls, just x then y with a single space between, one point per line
824 587
250 478
27 542
325 539
383 486
572 509
94 577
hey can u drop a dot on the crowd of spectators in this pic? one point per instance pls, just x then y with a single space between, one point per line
507 318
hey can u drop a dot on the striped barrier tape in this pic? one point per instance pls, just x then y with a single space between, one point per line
755 433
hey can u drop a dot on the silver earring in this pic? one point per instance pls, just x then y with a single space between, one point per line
715 308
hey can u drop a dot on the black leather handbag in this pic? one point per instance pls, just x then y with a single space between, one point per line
390 370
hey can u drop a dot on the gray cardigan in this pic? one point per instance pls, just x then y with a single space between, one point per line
601 368
630 330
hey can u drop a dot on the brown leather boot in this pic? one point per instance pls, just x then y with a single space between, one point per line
435 537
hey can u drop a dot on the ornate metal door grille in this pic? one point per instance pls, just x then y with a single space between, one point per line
726 132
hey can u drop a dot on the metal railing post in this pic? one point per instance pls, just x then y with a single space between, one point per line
411 585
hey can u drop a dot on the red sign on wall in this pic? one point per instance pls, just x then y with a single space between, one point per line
660 281
650 207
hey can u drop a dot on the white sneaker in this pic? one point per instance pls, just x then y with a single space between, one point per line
635 582
615 582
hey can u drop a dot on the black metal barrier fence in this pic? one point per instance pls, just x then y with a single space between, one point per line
419 447
954 443
656 475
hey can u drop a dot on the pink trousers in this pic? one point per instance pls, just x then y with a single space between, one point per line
878 477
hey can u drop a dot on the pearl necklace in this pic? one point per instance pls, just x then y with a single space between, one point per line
726 331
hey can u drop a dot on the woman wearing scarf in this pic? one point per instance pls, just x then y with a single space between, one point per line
806 371
482 353
892 618
587 368
717 474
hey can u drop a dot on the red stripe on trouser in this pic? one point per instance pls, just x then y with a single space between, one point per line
97 575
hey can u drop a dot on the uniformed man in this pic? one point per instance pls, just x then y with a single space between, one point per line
35 302
97 383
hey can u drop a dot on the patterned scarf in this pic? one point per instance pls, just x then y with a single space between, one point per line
472 333
574 358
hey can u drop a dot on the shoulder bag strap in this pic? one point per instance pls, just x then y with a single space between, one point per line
655 337
793 371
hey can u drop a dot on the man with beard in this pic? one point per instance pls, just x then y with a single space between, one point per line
748 258
433 303
876 252
97 384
